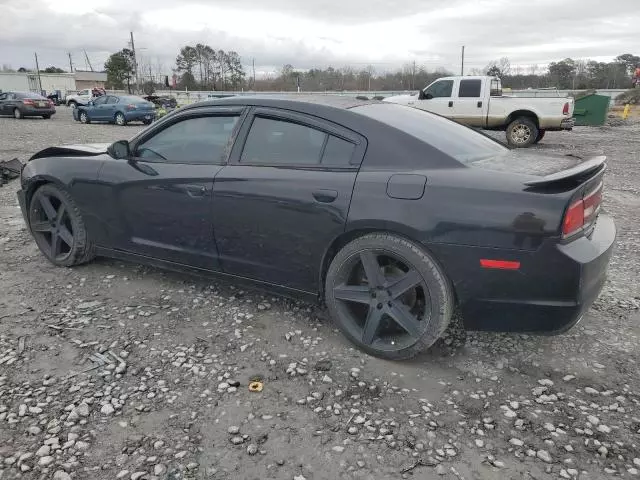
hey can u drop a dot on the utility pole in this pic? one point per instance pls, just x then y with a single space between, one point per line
70 63
253 66
462 67
38 70
413 74
135 61
88 61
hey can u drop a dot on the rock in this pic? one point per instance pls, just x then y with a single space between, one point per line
338 449
45 461
323 365
299 477
158 445
34 430
43 451
593 420
236 440
181 454
441 470
632 471
544 456
234 430
159 469
107 409
636 462
516 442
545 382
61 475
82 445
359 420
568 378
510 413
327 379
122 473
352 430
604 429
479 443
121 459
252 449
22 410
591 391
138 475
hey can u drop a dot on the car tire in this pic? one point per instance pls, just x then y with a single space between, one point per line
57 226
83 116
17 114
540 136
522 132
382 317
147 122
73 104
46 117
120 120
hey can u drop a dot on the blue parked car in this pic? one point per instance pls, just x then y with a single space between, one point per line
116 109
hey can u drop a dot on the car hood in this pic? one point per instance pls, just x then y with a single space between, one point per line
85 150
529 162
401 99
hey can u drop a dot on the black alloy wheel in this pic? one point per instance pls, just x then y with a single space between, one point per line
387 296
57 227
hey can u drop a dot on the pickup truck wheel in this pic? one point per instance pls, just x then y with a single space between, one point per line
540 135
73 104
522 132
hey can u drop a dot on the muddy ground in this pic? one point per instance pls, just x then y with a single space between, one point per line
118 371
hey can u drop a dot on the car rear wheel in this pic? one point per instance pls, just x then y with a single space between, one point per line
388 296
46 117
57 227
147 122
72 104
17 113
540 135
120 120
84 117
522 132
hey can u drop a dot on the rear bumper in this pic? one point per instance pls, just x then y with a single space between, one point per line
551 291
568 123
36 112
140 116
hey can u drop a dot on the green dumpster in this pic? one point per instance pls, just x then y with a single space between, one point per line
591 110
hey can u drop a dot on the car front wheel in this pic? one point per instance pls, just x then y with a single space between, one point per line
58 228
120 120
388 296
84 117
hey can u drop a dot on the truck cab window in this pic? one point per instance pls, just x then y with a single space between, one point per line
470 88
440 89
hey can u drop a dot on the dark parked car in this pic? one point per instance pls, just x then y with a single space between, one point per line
26 104
116 109
396 218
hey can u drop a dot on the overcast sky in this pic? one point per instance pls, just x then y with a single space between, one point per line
319 33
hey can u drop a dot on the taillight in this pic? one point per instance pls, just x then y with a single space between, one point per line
582 212
27 101
565 109
131 106
51 104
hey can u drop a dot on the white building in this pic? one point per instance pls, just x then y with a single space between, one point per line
51 82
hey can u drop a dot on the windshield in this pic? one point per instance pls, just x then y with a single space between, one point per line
132 99
457 141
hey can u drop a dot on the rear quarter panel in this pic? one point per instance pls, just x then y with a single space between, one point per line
547 109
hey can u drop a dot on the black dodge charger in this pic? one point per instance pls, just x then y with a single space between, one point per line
395 218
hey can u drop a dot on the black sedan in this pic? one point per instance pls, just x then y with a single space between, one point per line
26 104
397 219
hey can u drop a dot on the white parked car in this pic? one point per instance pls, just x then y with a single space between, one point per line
479 102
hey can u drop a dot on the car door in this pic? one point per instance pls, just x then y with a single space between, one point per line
3 101
437 98
469 107
110 106
96 109
160 200
284 196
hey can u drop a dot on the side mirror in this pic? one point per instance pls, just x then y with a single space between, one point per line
119 150
428 96
421 95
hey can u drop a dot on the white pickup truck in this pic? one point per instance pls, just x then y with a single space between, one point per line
82 97
479 102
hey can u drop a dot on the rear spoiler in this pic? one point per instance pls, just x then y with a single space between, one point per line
582 169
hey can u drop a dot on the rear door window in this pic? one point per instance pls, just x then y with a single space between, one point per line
470 88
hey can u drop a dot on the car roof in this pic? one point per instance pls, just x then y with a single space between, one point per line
289 101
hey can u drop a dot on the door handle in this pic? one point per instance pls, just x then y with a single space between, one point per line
325 196
479 104
196 190
450 104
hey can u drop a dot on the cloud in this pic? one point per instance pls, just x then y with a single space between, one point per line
318 33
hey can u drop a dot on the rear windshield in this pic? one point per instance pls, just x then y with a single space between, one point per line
34 96
457 141
132 99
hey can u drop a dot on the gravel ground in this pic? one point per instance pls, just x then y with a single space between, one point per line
117 371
